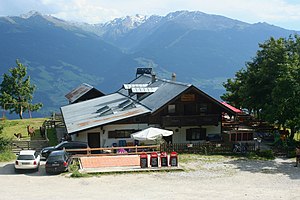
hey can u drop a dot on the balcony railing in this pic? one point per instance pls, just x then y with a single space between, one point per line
190 120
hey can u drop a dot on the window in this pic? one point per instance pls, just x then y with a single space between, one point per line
203 107
190 109
171 108
25 157
195 134
36 154
120 133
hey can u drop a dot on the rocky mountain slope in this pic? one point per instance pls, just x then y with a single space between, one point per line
201 49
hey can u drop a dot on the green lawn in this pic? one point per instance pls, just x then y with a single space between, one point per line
10 127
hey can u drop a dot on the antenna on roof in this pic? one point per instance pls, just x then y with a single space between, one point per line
153 77
173 78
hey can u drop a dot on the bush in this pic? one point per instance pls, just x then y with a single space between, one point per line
267 154
7 155
262 155
291 154
74 169
74 166
4 143
77 174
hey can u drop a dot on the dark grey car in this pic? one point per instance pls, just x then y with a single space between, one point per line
65 145
57 162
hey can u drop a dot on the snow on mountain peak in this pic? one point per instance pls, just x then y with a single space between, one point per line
30 14
130 22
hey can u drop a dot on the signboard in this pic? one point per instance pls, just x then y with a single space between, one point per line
154 159
154 162
164 161
173 161
144 160
144 163
188 97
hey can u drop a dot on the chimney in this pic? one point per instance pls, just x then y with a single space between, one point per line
153 77
173 77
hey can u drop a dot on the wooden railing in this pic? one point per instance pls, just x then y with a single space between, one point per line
204 148
128 150
190 120
200 148
18 145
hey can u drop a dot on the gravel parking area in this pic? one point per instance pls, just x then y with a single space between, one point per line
221 178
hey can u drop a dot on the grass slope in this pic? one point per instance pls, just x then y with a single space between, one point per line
10 127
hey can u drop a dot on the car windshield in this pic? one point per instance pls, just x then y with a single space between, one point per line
55 158
58 146
25 157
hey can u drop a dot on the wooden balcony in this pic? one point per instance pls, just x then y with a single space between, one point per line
196 120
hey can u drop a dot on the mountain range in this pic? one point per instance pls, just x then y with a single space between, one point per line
201 49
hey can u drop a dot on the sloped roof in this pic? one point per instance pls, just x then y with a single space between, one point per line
100 111
79 91
234 109
125 103
165 92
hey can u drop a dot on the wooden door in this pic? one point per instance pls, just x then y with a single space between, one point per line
94 141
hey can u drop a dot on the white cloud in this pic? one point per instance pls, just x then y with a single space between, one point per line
82 10
271 11
279 12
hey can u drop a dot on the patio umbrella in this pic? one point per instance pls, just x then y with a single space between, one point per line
151 134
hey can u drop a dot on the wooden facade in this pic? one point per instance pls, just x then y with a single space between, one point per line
189 110
191 114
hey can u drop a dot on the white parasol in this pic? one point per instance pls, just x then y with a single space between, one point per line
151 134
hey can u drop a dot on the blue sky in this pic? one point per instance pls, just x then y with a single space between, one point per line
283 13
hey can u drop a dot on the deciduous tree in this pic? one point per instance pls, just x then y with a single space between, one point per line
270 85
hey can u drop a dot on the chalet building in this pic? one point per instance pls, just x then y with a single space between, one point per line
147 101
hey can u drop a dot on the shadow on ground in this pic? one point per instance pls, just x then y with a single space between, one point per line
277 166
9 169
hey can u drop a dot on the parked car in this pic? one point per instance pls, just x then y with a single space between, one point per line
57 162
65 145
27 159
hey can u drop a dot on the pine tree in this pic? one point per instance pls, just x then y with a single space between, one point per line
16 91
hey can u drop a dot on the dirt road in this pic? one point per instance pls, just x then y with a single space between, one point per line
223 179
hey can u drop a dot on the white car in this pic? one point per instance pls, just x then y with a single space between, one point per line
28 159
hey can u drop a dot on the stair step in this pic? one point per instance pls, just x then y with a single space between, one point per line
37 145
